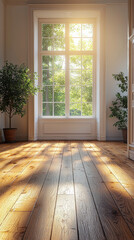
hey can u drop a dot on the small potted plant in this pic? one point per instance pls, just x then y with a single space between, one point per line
119 105
16 84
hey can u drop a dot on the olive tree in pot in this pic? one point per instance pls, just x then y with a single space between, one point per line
119 105
16 85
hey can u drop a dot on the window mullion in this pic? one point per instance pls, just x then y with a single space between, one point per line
81 84
81 70
53 85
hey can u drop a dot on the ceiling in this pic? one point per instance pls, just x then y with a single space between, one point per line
64 1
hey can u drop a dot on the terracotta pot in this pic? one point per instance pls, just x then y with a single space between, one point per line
10 134
124 134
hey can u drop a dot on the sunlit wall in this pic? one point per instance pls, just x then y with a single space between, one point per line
116 57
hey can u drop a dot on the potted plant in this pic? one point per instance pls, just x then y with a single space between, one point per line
119 105
16 84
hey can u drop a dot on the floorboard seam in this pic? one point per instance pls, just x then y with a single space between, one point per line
56 198
75 197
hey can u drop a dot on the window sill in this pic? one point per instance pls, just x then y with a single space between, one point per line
65 119
56 117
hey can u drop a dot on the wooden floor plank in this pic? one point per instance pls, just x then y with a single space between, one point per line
113 223
29 196
42 218
14 226
89 166
124 202
66 177
97 161
104 171
65 226
124 178
88 221
10 193
119 159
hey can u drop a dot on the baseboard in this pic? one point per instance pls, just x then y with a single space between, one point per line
131 154
116 139
21 138
67 137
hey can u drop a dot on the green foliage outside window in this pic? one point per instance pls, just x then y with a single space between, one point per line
80 72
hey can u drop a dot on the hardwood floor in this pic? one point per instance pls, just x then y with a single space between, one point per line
66 191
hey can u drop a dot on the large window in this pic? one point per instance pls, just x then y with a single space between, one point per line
67 60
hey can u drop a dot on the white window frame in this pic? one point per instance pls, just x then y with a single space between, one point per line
67 53
94 128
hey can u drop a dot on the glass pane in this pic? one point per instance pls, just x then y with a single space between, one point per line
87 94
47 109
47 62
75 44
87 62
59 77
48 94
47 30
87 109
75 109
87 77
75 94
59 40
87 30
87 44
59 109
75 30
47 77
59 93
75 77
59 62
47 44
59 44
59 30
75 62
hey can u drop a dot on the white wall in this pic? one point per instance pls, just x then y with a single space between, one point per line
2 13
115 51
17 52
2 47
116 57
